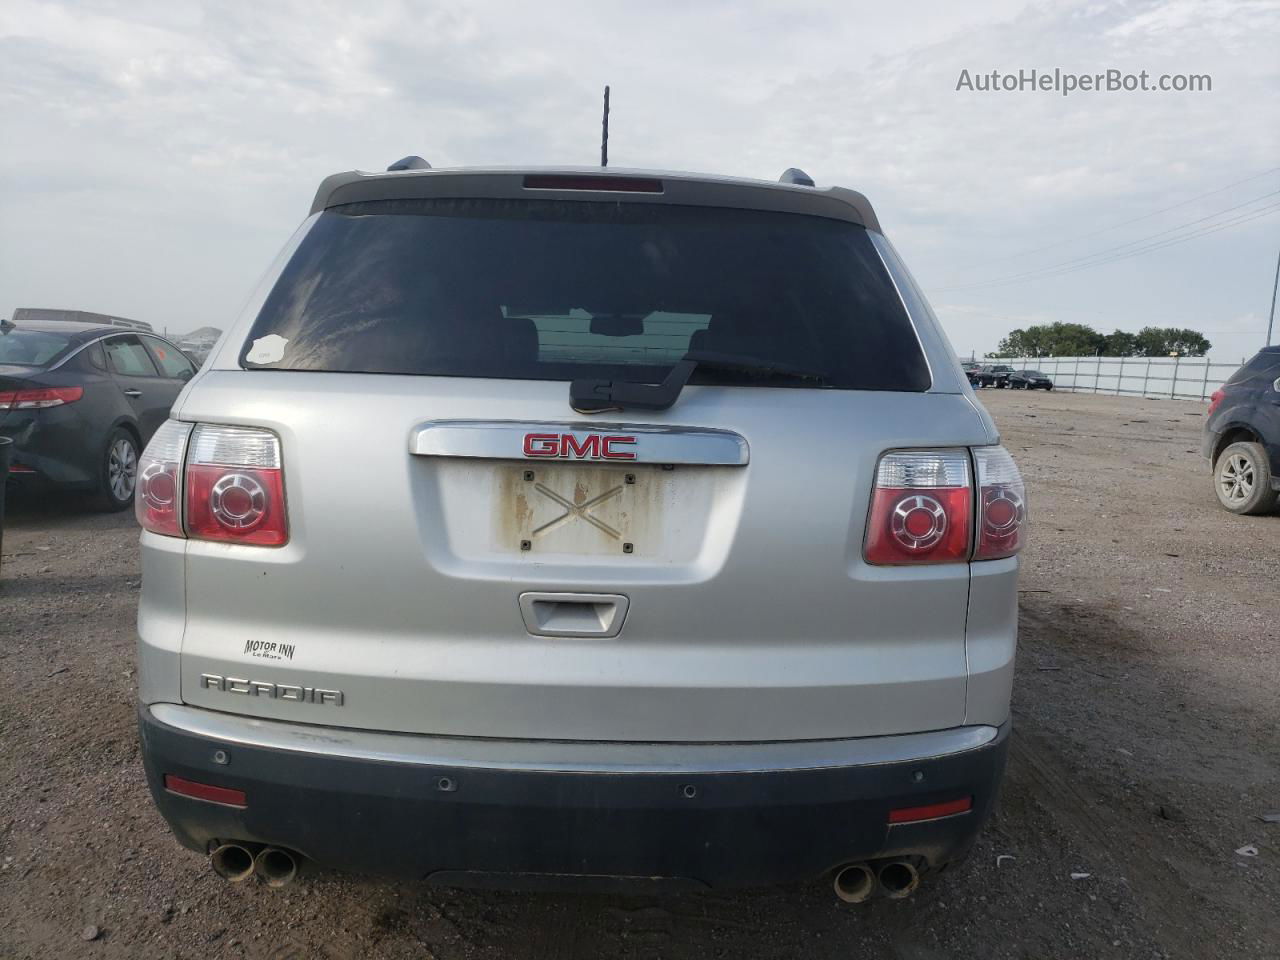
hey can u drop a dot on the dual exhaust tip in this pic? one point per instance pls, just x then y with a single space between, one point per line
857 882
237 862
277 867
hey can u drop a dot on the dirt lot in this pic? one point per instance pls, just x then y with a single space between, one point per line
1147 746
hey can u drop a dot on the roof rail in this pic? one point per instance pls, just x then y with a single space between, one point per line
410 163
797 176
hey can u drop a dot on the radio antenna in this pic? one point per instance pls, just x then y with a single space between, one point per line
604 131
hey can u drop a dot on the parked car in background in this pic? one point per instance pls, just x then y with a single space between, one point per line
197 353
1242 436
971 370
1029 380
502 567
994 375
80 401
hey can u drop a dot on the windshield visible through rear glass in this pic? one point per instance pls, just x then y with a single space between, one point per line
557 290
32 348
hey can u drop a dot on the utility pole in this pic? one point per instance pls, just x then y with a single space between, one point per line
1275 284
604 131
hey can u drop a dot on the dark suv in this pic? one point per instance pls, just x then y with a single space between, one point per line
994 375
1242 436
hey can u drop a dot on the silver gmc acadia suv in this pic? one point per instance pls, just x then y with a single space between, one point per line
563 527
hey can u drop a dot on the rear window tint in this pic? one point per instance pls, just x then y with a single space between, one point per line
128 357
1265 365
556 290
170 360
34 348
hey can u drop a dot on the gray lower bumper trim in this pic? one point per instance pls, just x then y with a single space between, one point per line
570 756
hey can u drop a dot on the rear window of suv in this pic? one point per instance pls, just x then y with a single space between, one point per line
557 290
1264 366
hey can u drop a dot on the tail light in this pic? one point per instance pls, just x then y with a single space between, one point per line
234 486
921 508
1002 504
213 482
1215 399
39 398
157 503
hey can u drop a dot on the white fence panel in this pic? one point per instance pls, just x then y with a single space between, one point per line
1185 378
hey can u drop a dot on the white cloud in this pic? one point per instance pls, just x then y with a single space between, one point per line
166 148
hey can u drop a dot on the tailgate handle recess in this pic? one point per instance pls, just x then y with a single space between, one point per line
573 614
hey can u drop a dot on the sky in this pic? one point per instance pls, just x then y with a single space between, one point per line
154 156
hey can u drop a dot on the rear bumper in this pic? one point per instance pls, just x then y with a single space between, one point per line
1208 444
50 447
518 812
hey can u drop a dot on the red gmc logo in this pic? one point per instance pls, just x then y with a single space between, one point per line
593 446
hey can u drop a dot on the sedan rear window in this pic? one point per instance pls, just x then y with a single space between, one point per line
33 348
559 290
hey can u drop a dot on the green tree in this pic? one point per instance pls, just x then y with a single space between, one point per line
1121 343
1081 340
1162 341
1052 340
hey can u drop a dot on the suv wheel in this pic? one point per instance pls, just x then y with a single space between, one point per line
1242 479
119 471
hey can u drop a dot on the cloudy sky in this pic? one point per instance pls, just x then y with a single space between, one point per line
155 155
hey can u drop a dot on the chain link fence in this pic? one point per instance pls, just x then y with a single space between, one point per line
1184 378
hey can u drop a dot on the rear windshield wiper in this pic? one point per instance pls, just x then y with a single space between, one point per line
597 396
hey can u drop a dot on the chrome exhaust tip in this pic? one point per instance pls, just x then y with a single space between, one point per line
898 879
232 862
854 883
276 866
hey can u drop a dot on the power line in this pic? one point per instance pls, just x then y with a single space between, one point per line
1141 245
1160 233
1173 241
1103 253
1124 223
1244 218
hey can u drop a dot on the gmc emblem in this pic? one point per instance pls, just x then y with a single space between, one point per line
593 446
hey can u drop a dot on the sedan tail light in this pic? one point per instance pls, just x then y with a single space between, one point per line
921 508
39 398
235 489
213 482
1215 399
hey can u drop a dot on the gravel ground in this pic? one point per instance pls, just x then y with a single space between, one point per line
1146 748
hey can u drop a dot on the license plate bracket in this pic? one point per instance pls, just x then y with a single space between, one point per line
571 508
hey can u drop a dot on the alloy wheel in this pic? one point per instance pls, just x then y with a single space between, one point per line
1237 478
122 468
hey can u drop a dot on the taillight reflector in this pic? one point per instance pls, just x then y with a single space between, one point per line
205 791
1215 399
39 398
921 508
931 811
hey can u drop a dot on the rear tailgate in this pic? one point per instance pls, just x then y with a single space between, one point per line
750 614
